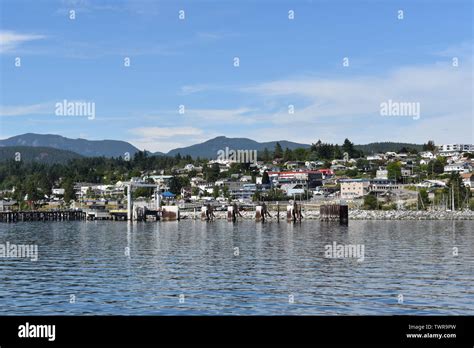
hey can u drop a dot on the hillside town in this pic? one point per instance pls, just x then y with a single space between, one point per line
437 178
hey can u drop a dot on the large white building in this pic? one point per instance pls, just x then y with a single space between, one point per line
353 188
453 148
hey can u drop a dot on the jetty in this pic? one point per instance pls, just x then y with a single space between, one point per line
56 215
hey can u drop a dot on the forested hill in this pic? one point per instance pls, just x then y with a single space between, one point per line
386 147
47 155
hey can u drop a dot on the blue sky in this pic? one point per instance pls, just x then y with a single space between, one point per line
283 62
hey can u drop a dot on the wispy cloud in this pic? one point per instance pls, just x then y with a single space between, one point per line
190 89
165 132
26 110
462 49
166 138
441 89
11 40
137 7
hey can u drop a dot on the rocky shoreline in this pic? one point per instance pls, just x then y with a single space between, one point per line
358 214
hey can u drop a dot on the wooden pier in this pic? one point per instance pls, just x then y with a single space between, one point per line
334 212
57 215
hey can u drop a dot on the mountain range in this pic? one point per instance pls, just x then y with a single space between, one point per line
116 148
87 148
40 147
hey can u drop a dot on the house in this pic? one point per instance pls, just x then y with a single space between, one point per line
448 149
206 188
406 173
381 174
377 157
159 179
246 178
293 189
338 167
327 173
460 167
431 183
292 164
468 180
7 205
382 185
57 191
427 155
353 188
240 190
196 181
390 154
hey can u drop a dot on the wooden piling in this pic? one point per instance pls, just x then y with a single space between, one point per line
334 212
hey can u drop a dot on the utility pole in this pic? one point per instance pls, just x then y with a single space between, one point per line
417 194
452 198
129 202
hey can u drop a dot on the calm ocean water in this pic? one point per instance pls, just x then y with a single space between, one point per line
280 269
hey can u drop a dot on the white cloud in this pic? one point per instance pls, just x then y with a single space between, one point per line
351 106
241 115
189 89
10 40
166 138
24 110
165 132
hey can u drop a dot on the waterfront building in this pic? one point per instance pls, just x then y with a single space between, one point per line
354 188
383 185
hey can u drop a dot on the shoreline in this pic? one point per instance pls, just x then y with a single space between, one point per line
354 214
308 214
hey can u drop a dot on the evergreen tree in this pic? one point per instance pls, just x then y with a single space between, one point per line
278 153
288 155
265 178
455 188
266 155
430 146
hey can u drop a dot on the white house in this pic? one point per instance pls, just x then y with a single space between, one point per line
293 189
457 167
381 174
57 191
427 155
377 157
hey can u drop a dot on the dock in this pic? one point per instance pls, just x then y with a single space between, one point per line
56 215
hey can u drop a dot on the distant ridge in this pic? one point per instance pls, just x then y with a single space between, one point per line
47 155
87 148
387 146
207 149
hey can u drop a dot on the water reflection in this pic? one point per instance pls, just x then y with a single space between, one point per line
274 261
